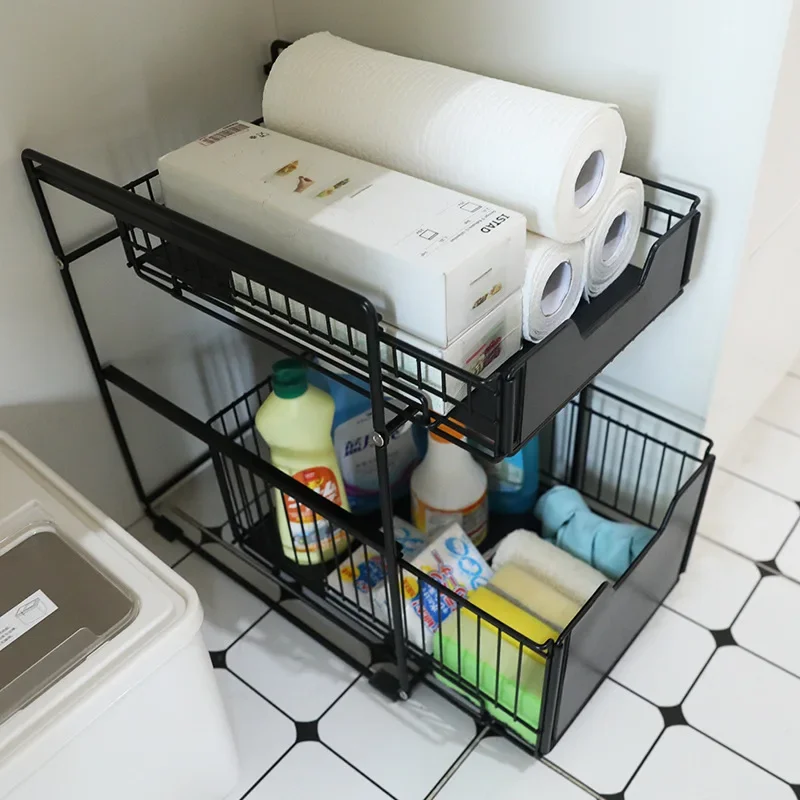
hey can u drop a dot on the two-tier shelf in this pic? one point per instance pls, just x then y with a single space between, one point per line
629 463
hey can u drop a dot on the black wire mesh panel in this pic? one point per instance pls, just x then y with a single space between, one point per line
301 313
498 411
633 466
415 384
515 670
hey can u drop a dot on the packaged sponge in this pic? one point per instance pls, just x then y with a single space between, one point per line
361 576
495 668
451 560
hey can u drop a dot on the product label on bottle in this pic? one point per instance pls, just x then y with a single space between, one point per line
473 519
356 453
508 475
311 532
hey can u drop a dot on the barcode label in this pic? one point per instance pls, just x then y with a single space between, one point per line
222 133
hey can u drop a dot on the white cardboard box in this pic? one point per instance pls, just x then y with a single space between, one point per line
432 260
480 350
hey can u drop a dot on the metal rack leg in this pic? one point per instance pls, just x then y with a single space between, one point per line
392 566
581 446
381 442
162 525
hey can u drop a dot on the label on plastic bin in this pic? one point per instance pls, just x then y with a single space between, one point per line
25 615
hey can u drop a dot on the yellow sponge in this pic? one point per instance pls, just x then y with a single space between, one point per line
536 595
493 667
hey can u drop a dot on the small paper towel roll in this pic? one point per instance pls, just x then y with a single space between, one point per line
553 158
610 246
554 282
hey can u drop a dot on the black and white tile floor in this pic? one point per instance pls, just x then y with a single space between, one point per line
705 704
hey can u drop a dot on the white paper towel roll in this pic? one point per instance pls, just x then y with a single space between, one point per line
610 246
553 158
555 278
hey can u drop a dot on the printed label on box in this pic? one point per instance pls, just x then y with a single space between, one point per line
457 566
365 574
224 133
487 353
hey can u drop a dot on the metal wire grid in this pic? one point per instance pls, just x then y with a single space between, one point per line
416 384
635 463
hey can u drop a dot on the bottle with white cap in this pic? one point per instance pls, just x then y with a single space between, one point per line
449 486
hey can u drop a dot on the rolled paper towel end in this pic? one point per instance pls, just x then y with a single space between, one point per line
555 279
611 245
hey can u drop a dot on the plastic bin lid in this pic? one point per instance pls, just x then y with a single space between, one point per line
55 609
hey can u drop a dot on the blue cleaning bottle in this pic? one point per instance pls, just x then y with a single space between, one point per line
514 481
352 439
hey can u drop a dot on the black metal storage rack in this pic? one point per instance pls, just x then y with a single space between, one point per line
630 464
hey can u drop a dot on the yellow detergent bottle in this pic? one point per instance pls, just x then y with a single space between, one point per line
295 421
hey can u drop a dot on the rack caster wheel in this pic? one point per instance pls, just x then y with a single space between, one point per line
167 528
388 685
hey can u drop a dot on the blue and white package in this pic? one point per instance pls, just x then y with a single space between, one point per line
453 561
360 577
352 439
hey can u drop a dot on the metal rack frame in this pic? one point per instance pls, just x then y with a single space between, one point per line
282 305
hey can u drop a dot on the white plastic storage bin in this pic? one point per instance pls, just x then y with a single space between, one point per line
106 688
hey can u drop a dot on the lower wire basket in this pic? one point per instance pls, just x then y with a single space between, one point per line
526 679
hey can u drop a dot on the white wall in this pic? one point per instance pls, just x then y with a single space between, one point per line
109 86
763 335
694 80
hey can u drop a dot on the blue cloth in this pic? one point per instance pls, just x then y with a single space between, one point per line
610 547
